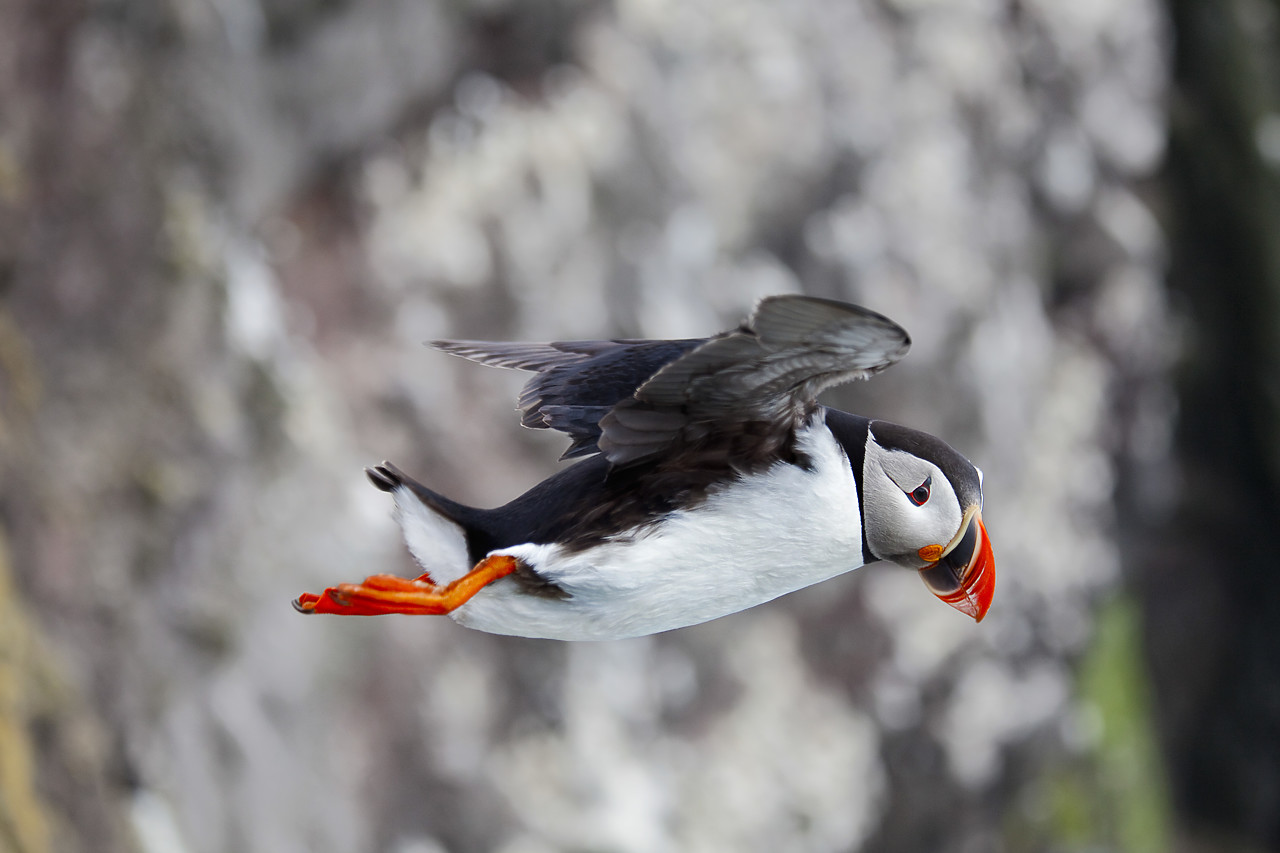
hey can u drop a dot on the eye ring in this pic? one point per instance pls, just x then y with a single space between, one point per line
920 494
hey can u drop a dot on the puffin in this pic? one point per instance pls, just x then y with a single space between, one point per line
710 481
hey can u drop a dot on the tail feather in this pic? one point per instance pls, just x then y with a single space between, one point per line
388 478
385 476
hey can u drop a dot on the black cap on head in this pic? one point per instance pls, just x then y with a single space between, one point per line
959 470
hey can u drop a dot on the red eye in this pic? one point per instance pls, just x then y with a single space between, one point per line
921 494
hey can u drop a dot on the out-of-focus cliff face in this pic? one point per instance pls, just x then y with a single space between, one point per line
226 228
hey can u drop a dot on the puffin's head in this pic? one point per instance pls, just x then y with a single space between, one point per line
922 508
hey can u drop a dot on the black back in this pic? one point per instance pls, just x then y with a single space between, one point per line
592 500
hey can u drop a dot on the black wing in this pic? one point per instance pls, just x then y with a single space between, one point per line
634 400
577 382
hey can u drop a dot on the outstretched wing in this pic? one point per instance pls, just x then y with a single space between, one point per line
576 382
760 381
633 400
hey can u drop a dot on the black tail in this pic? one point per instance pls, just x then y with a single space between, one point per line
388 478
476 523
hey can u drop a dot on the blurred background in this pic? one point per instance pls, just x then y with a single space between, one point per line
226 227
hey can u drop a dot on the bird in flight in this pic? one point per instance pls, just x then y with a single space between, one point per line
711 481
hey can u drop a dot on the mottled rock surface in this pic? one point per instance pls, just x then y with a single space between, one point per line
225 230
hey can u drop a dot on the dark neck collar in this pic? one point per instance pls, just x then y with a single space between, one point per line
851 432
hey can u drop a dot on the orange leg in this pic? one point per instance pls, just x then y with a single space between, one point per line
391 594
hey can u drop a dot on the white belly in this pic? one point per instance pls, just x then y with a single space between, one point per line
746 544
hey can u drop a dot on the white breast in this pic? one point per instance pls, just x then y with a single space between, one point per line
748 543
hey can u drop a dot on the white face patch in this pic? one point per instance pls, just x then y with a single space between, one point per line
897 528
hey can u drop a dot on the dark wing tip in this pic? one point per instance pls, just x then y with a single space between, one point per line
536 357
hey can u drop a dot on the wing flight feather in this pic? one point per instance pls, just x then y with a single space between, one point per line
635 400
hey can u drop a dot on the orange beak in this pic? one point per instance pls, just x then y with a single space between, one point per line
965 575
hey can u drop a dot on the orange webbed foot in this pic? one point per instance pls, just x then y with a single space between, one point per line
379 594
